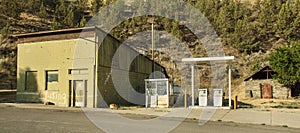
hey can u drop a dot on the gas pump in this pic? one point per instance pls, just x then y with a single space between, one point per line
202 97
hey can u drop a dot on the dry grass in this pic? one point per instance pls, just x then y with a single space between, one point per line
273 103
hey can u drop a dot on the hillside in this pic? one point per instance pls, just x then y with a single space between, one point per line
249 30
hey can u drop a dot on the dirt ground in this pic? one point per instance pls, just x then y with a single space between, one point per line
273 103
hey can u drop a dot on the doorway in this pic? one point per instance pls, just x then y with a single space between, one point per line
266 91
79 93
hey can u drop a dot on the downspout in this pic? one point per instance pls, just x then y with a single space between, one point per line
95 92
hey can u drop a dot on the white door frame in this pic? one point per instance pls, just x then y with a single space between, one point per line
73 100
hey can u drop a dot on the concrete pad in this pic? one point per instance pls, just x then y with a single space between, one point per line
248 116
284 118
219 114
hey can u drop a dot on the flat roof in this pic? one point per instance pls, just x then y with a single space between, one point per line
50 32
222 58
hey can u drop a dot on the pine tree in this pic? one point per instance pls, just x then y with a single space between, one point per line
61 10
34 6
69 19
54 24
107 2
175 31
167 24
224 22
243 37
10 8
42 13
283 22
267 17
96 4
295 28
296 8
82 22
5 31
79 9
264 18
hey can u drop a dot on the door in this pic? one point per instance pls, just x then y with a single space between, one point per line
266 91
153 97
162 96
218 97
79 93
202 97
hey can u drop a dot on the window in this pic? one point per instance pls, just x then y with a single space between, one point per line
51 80
78 71
31 81
52 76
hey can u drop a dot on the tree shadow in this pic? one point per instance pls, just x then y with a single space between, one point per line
27 86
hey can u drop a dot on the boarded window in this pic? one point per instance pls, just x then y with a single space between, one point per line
31 81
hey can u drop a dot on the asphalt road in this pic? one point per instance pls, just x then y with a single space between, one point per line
13 119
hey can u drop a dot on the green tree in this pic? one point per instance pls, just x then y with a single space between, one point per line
225 20
175 31
54 24
79 9
167 23
82 22
5 31
295 25
243 38
295 29
283 22
42 13
285 60
33 6
61 10
96 4
107 2
10 8
69 19
295 8
266 18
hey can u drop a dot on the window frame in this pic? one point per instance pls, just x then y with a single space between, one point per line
47 78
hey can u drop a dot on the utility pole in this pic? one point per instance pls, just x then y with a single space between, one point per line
153 63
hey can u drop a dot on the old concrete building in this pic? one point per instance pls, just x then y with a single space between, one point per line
262 85
67 68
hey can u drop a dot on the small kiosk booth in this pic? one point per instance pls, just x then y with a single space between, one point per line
157 93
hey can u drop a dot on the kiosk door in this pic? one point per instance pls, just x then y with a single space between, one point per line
218 97
202 97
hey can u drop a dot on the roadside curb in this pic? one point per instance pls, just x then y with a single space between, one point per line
40 107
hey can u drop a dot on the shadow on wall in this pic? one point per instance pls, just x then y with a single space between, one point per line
27 86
